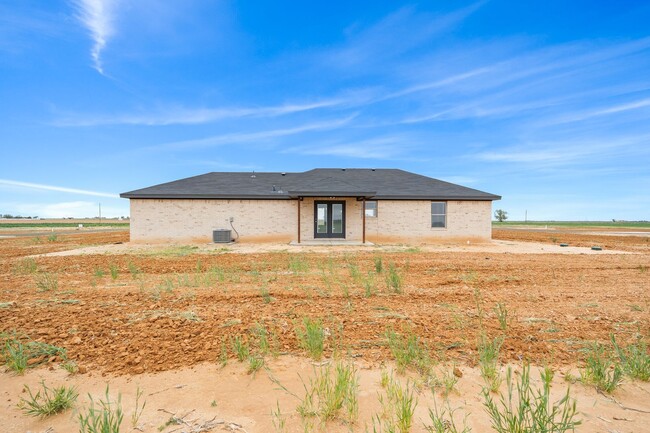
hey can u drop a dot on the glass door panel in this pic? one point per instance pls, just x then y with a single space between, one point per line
321 218
337 218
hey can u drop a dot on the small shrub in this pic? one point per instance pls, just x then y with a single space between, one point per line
262 336
46 282
311 337
524 409
635 360
488 359
47 401
103 417
52 238
601 369
99 273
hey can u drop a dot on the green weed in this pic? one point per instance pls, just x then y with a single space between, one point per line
634 359
26 266
501 312
52 238
279 420
332 393
47 401
398 408
17 351
46 282
133 270
379 265
311 337
298 264
103 417
601 369
409 352
241 348
254 364
114 271
524 409
488 360
394 279
442 421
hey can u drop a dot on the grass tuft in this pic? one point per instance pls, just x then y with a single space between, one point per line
601 369
46 282
47 401
18 353
524 409
409 352
332 393
488 360
311 337
634 359
102 417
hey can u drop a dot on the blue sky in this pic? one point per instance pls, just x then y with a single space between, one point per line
545 103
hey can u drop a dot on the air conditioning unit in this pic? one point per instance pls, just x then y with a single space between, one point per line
221 236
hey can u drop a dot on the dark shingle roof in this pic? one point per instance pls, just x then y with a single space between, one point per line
320 182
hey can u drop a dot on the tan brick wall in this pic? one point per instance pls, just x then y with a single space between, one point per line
163 220
410 221
154 220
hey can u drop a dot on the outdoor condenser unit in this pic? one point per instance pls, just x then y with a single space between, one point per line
221 236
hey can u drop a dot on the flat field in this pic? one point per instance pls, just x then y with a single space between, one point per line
172 320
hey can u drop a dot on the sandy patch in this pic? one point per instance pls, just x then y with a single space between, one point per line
244 402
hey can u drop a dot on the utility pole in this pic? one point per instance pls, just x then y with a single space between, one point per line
526 216
100 213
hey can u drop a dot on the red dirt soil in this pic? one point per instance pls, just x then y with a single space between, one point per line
172 310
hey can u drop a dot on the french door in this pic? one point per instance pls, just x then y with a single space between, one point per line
329 219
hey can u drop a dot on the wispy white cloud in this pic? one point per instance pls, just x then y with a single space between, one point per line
255 137
39 186
98 17
568 151
193 116
589 114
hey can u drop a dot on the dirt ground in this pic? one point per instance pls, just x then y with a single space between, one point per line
159 317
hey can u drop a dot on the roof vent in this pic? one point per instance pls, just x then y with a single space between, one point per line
342 169
284 174
273 187
372 169
253 176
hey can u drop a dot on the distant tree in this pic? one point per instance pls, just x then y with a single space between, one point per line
500 215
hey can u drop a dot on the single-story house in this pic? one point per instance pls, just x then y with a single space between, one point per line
376 205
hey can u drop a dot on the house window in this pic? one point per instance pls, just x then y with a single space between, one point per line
371 209
438 214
